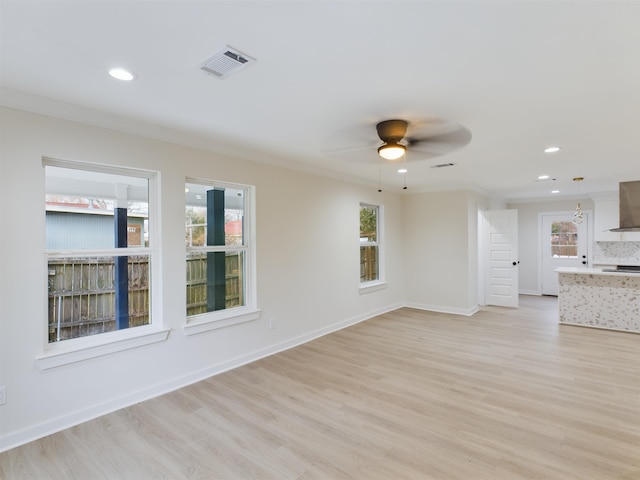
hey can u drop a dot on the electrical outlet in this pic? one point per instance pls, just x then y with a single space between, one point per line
3 395
272 324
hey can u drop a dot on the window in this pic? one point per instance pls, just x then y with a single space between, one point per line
370 244
564 239
99 226
219 255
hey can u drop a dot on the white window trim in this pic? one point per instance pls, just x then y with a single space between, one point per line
373 286
84 348
206 322
380 283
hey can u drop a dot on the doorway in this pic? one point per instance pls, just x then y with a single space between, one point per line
498 257
564 243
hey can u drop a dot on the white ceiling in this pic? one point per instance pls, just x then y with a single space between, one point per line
519 75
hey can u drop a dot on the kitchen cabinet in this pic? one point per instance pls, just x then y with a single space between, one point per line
631 237
606 215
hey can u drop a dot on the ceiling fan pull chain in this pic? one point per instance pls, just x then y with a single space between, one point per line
405 171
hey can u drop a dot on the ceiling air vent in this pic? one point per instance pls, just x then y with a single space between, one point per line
443 165
226 62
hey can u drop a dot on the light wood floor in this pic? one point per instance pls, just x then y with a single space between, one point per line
505 394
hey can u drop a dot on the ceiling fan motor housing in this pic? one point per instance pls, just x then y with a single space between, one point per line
392 131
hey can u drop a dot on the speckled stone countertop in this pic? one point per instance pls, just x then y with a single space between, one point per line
594 271
593 298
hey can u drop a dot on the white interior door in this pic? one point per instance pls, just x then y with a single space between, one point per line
564 244
502 283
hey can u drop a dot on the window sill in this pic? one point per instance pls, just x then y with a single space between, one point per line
213 321
372 287
78 350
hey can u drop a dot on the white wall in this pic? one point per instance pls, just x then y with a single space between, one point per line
529 237
307 271
441 252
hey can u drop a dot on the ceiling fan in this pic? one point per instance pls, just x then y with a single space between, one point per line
423 139
435 138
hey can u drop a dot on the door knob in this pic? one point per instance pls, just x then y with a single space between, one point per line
515 263
584 262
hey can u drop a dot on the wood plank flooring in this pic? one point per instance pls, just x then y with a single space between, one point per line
505 394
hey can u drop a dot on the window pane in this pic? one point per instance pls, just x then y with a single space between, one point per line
213 216
564 239
215 281
368 224
83 299
368 263
82 210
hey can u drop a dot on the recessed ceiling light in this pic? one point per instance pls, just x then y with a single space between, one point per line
545 178
402 170
122 74
551 149
555 191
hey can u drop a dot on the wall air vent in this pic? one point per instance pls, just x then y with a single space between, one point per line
443 165
226 62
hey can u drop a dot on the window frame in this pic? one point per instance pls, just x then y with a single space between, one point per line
379 283
83 348
204 322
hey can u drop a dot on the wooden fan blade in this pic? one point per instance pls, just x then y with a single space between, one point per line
350 139
340 150
442 142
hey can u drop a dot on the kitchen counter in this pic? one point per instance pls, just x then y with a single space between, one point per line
591 297
593 271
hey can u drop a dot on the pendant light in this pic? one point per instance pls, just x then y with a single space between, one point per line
577 216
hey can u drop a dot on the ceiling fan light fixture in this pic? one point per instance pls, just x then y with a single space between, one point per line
391 151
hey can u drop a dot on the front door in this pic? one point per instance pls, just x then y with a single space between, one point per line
564 244
502 284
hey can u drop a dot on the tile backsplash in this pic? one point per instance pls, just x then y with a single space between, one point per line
616 253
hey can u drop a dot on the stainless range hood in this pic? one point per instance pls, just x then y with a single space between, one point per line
629 207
